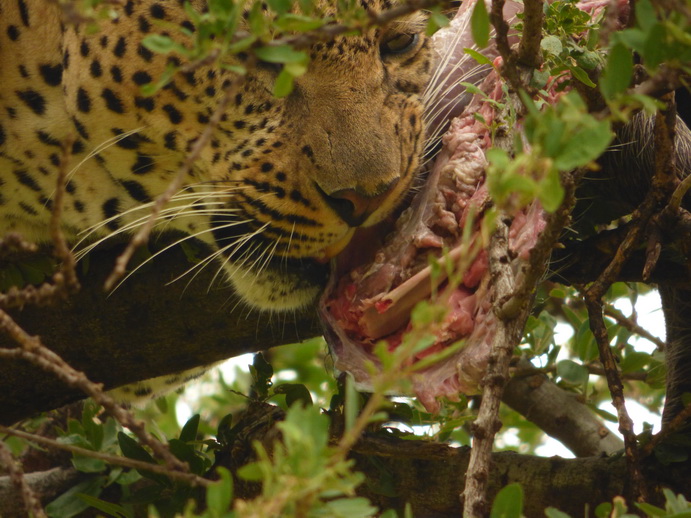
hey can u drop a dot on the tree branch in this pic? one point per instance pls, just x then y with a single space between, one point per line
144 329
559 413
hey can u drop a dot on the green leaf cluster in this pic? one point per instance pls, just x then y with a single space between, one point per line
659 37
569 45
562 137
304 474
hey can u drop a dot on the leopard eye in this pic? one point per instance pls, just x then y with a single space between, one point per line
399 44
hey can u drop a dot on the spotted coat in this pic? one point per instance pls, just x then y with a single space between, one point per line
283 183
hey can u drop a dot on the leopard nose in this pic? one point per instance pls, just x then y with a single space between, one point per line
354 206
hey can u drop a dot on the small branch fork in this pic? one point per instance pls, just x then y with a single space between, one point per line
633 326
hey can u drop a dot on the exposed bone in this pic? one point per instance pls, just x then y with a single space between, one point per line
399 302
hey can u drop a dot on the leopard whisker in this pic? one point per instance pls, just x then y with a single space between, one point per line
175 243
217 253
169 213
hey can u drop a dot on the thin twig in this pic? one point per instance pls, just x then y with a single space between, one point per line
678 195
114 460
32 505
616 388
62 251
632 325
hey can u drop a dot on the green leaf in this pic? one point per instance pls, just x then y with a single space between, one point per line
294 392
284 84
128 477
479 24
616 76
133 450
551 191
220 494
357 507
603 510
584 343
351 406
645 15
186 453
299 23
257 20
436 20
508 503
551 512
189 431
68 504
584 145
88 464
115 510
475 90
650 510
607 416
656 50
551 45
572 372
480 58
159 43
582 76
540 78
634 361
631 38
281 54
280 6
251 472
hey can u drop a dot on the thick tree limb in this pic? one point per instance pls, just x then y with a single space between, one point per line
145 328
430 476
559 414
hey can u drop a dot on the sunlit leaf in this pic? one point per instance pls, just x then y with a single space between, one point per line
508 502
479 24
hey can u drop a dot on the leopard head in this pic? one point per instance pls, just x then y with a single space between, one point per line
284 183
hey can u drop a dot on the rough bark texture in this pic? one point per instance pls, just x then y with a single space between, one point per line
145 328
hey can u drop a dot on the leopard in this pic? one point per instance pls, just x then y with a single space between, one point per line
283 183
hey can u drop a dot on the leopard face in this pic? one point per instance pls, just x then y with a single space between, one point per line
283 183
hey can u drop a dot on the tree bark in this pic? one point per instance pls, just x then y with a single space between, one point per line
431 476
145 328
